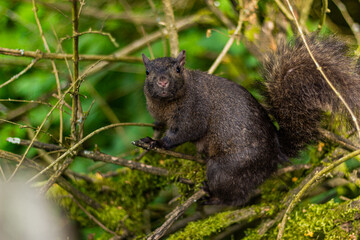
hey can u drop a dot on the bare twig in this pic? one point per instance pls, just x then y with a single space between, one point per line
98 156
37 132
97 13
25 101
22 126
62 56
292 168
90 31
168 152
343 142
219 14
324 10
76 112
56 73
95 220
76 145
45 119
232 38
180 25
33 62
171 28
355 27
284 10
175 214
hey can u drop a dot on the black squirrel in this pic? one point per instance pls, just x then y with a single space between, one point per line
234 132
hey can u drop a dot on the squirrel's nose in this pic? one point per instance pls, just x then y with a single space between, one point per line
163 82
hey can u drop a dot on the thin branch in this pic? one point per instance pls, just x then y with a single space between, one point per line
33 62
318 175
76 112
62 56
284 10
168 152
292 168
95 220
318 67
242 15
324 10
56 73
171 28
25 101
343 142
219 14
136 45
90 31
175 214
82 3
76 145
105 158
355 27
98 156
97 13
22 126
43 123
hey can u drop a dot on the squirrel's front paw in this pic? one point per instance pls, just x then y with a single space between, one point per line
147 143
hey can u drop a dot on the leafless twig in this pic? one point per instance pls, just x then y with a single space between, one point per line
33 62
174 215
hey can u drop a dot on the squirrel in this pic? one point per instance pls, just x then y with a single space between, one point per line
232 129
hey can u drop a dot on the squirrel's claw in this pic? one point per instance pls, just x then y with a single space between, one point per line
147 143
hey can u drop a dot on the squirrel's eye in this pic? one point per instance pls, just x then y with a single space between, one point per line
178 69
147 72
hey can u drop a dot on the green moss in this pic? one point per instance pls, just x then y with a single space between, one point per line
123 197
186 169
218 222
316 221
204 228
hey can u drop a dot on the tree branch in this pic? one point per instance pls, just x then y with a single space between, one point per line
136 45
33 62
62 56
171 28
174 215
168 152
317 176
98 156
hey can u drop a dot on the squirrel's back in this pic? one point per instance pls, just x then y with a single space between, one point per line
298 95
235 118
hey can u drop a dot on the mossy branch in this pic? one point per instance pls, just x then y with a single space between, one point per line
318 175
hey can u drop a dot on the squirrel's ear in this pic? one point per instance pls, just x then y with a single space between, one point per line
145 59
181 58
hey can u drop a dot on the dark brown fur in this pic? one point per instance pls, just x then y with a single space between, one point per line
231 128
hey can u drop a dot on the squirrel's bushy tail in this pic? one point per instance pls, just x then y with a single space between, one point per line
297 93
